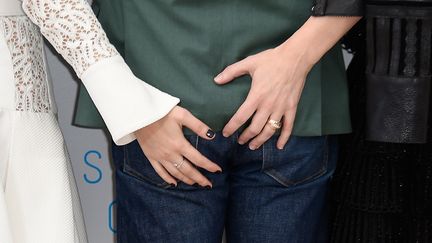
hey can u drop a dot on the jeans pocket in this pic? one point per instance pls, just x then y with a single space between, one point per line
136 165
302 160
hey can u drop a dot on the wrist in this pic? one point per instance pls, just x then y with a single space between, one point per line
299 52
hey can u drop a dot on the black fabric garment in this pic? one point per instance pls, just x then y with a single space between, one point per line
338 8
398 70
382 192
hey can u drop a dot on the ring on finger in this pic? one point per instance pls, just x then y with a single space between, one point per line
179 164
274 124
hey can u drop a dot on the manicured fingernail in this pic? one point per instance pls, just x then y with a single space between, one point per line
225 134
210 134
241 142
218 78
252 147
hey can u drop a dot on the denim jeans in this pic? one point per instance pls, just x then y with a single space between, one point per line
266 195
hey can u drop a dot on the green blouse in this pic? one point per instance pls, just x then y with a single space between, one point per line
179 46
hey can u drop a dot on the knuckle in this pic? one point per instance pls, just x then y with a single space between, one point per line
187 170
183 147
179 146
203 128
201 180
254 131
177 174
267 133
291 105
229 68
182 114
158 171
238 120
188 181
165 154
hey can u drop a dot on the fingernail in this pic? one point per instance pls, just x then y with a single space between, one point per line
241 142
174 185
210 134
218 78
208 187
225 134
252 147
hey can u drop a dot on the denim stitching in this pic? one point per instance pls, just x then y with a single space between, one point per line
263 157
124 155
196 142
128 170
279 177
139 176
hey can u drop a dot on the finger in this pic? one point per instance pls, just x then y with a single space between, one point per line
195 157
191 172
288 122
242 115
258 122
197 126
161 171
169 166
266 133
233 71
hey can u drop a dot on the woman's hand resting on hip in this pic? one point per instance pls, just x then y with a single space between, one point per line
278 77
170 154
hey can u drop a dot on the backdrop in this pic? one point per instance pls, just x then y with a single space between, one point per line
88 149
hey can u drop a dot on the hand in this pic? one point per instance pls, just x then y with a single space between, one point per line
164 144
278 77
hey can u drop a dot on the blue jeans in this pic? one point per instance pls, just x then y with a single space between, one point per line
266 195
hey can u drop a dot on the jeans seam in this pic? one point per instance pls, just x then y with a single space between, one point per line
125 155
263 157
196 142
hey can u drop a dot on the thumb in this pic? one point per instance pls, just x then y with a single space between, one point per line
233 71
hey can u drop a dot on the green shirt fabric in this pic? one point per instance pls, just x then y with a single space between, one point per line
179 46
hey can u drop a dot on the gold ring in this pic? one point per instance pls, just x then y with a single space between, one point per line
275 124
179 165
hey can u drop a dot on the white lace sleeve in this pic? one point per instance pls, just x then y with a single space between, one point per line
125 102
73 30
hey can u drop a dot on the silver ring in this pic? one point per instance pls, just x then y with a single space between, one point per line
275 124
179 165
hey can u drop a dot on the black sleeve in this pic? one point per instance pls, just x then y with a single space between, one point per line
338 7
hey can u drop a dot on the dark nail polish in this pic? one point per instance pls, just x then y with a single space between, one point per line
210 134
